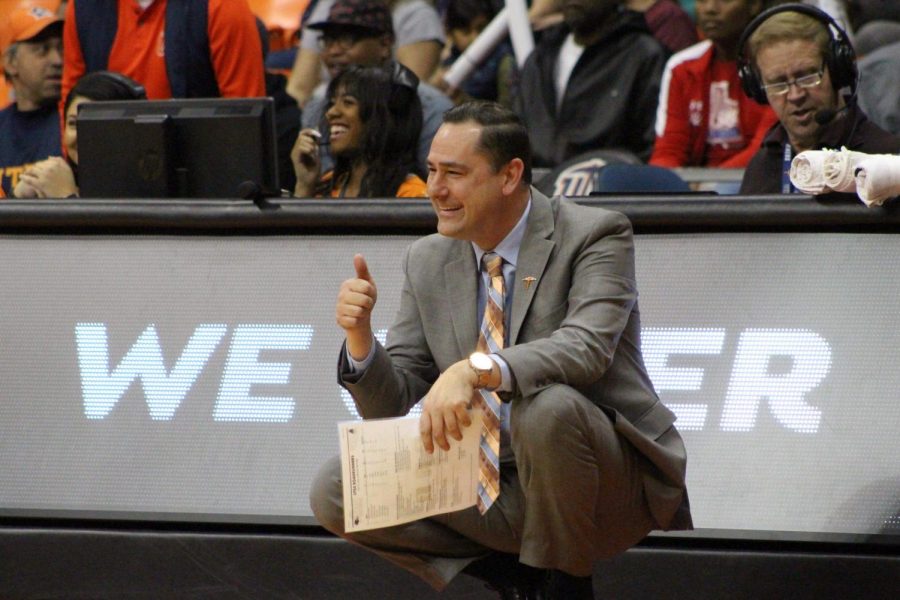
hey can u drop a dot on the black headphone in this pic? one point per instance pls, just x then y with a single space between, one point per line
840 58
404 85
131 89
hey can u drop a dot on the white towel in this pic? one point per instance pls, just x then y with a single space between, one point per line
839 169
807 173
878 178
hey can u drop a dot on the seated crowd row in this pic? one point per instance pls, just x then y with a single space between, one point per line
624 75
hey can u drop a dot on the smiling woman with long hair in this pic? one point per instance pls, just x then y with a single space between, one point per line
374 118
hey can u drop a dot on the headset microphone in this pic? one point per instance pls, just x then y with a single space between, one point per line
827 115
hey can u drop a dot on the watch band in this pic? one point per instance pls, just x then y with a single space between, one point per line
482 374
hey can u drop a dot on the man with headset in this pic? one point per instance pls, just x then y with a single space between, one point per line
797 59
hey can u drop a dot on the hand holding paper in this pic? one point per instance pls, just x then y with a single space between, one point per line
389 479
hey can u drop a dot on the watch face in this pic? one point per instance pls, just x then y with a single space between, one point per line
481 361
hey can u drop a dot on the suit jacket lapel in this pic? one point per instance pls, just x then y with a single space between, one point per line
461 286
533 256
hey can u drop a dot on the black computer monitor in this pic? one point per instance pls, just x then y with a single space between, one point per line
181 148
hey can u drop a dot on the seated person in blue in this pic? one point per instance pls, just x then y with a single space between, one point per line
31 49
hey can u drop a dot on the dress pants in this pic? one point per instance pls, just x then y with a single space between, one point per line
573 496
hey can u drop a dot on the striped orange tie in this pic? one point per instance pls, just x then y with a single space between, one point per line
491 340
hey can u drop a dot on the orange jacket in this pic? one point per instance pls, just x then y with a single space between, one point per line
138 49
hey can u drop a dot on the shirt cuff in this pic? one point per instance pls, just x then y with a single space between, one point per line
505 374
358 366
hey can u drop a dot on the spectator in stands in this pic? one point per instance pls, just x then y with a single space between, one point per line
591 83
31 50
57 177
374 119
464 21
174 48
667 21
878 46
836 9
307 70
798 60
7 95
361 32
418 41
287 115
704 117
861 12
544 13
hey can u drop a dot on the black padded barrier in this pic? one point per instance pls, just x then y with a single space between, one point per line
65 558
648 214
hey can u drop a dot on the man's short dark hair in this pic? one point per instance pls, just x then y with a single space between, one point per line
503 135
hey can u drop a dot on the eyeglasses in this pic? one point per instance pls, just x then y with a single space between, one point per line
343 40
783 87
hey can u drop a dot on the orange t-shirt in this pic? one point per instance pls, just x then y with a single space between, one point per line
413 187
138 50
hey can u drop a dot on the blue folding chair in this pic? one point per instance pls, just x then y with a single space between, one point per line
621 178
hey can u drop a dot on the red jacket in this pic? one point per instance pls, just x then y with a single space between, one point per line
682 119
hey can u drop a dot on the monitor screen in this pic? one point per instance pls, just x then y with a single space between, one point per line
182 148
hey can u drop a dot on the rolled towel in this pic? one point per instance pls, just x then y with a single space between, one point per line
839 169
807 173
878 178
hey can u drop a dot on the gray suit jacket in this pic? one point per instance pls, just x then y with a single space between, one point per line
578 324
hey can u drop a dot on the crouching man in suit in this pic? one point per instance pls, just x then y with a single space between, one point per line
526 307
